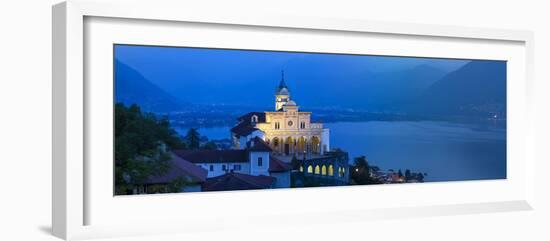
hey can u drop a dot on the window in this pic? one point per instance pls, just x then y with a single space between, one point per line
224 168
277 125
324 170
330 170
302 125
309 169
301 168
211 168
341 171
317 170
290 123
260 161
254 119
237 167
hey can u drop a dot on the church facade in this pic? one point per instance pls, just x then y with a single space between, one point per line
286 129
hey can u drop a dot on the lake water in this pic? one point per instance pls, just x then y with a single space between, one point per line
213 133
445 151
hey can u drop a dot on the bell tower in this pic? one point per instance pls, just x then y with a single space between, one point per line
282 94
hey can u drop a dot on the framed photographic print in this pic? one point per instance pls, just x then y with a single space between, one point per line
282 118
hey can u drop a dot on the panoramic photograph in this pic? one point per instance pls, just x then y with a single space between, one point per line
192 119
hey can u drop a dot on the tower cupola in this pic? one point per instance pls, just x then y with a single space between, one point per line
282 93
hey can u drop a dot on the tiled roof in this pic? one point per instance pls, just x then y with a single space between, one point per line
213 156
243 129
237 181
245 126
276 165
257 144
248 117
180 168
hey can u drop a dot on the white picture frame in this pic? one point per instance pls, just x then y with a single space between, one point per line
72 192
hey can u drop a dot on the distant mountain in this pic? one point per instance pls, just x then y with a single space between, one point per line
357 87
389 90
478 87
131 87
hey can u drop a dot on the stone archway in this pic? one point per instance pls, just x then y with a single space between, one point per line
289 146
276 144
301 146
315 145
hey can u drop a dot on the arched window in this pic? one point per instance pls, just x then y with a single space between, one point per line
254 119
330 170
301 168
324 170
309 169
317 169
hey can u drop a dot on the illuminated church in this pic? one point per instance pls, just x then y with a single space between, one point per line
263 145
288 131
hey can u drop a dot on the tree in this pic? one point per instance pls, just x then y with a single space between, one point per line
169 135
193 139
210 145
399 173
407 174
178 184
360 172
142 144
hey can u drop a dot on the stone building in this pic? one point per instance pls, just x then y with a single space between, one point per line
286 129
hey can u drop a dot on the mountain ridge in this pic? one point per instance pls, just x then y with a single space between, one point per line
475 88
131 87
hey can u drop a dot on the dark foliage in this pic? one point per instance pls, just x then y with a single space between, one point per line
360 172
193 139
142 142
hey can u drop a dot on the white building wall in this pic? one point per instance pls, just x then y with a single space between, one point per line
217 168
244 139
325 140
242 142
255 169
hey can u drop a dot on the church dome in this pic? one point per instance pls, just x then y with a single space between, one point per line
290 103
283 91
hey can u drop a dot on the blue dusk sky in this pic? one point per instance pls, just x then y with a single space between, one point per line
247 77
